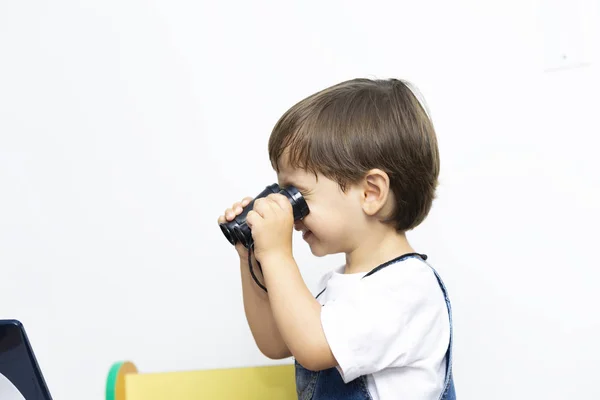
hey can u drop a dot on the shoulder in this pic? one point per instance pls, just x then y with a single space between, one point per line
412 273
327 276
402 290
404 287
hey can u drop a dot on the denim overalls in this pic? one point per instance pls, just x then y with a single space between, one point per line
328 384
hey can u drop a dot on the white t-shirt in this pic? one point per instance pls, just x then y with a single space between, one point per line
391 326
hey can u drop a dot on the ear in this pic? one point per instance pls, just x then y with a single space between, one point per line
375 191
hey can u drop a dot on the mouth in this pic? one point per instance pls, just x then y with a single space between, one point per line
306 234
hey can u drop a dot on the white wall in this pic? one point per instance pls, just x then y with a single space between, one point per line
127 127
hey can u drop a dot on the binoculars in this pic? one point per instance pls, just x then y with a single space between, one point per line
238 230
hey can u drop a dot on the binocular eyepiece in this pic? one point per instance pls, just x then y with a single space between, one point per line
238 230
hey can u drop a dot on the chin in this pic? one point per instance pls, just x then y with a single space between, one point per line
318 251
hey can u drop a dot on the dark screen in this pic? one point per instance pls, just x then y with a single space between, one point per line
18 363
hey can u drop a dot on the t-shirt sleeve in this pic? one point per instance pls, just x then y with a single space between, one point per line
389 320
322 284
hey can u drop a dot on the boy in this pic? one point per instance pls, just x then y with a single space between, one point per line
364 155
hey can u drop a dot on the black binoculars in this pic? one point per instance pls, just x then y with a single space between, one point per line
238 230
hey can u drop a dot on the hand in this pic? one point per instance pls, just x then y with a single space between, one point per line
229 215
271 222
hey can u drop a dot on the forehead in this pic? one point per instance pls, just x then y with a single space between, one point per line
289 175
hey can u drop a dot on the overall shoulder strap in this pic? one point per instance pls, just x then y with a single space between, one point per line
395 260
387 264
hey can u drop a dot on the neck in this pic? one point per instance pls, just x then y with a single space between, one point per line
376 250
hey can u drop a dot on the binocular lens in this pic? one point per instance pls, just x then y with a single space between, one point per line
228 233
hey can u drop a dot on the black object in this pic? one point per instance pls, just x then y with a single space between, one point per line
18 363
238 230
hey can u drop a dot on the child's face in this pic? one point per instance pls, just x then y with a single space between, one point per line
334 224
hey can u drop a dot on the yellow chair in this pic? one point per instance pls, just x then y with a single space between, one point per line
253 383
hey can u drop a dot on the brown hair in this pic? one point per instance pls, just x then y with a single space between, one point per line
345 130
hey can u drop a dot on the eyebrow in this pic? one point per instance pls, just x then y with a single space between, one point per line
286 183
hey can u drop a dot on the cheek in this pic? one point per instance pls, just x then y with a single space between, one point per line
327 223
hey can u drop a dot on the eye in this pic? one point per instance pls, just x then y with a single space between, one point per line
304 192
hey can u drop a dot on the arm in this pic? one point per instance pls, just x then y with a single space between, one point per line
256 302
260 317
297 313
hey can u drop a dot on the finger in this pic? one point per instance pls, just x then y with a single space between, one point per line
221 219
237 208
260 206
281 201
229 214
252 218
273 206
269 207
